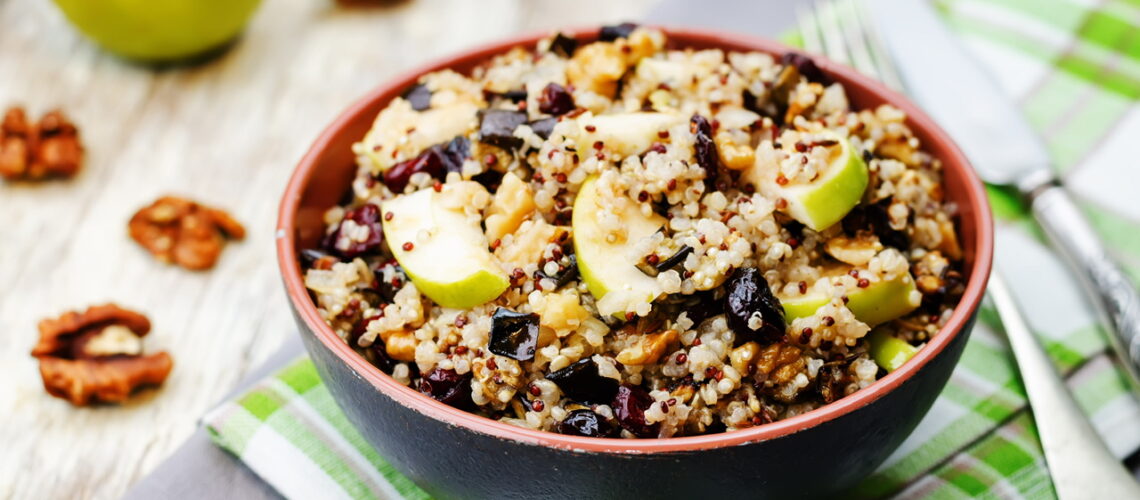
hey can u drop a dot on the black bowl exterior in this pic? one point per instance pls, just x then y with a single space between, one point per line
456 462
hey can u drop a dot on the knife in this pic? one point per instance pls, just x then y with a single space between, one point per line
950 85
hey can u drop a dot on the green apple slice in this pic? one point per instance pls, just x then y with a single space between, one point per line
881 301
824 201
448 259
610 266
625 134
889 351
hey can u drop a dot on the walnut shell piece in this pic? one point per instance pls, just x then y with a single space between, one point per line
96 355
183 232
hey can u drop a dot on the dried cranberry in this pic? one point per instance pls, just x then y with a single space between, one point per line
748 295
629 406
563 45
582 382
555 100
806 66
584 423
497 127
704 148
448 387
367 216
437 161
513 334
611 33
418 96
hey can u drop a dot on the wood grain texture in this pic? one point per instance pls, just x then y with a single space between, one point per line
227 133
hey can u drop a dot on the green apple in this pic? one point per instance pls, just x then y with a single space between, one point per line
881 301
159 30
625 134
824 201
611 265
448 259
888 351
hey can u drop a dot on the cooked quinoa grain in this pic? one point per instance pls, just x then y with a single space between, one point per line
619 239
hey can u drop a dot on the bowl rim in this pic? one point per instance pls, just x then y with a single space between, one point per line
299 298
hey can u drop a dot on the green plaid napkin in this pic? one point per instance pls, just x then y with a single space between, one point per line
1074 66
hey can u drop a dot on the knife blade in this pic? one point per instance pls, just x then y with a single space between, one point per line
965 100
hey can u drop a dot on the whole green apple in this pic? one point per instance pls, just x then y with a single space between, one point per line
159 30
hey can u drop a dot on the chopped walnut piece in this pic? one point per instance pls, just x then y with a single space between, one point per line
96 355
183 232
29 151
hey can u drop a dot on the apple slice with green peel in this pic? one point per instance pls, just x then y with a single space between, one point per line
889 351
823 201
608 265
881 301
447 257
625 134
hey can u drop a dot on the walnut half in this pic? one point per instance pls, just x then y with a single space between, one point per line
183 232
96 355
33 151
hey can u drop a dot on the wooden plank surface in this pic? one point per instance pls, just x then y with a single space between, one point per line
226 133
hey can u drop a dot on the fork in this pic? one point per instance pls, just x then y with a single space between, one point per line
1080 464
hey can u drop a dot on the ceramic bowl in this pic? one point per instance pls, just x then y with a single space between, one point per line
453 453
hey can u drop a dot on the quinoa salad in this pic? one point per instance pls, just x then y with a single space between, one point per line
623 239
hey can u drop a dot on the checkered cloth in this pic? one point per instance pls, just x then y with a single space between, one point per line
1074 66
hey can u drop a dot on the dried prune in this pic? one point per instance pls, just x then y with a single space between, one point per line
703 147
515 95
565 276
437 161
563 45
584 423
497 127
750 297
582 382
418 96
629 407
555 100
360 241
448 387
613 32
544 127
675 260
873 217
513 334
806 67
390 278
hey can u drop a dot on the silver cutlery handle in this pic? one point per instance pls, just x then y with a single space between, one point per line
1080 464
1114 295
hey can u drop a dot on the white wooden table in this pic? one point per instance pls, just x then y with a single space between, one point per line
226 133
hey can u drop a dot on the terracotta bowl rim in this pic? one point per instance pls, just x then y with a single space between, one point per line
406 396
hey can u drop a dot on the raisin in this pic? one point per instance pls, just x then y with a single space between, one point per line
704 149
